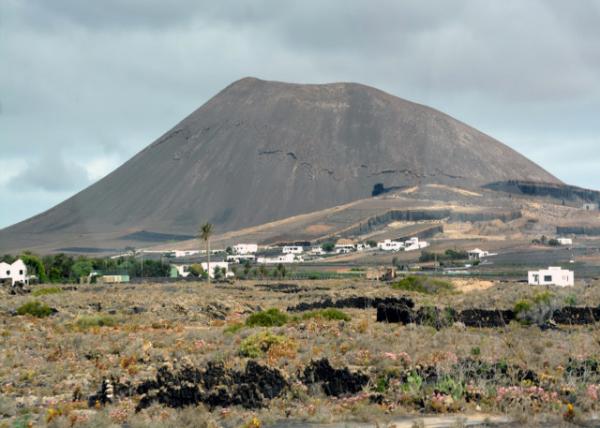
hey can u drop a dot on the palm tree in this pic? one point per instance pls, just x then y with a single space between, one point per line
206 231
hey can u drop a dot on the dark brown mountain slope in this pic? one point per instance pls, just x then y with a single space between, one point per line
260 151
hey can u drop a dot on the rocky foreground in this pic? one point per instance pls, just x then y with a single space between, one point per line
271 353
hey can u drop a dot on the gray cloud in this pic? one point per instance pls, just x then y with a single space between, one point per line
97 81
52 174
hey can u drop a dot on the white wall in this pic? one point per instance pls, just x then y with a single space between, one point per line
213 265
552 276
245 248
17 271
389 245
286 258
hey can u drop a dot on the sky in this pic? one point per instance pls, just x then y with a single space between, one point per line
86 85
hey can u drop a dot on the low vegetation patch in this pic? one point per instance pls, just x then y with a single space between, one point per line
536 310
448 255
36 309
423 284
89 321
270 318
233 328
259 344
327 314
46 291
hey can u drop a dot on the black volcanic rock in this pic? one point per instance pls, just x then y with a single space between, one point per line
260 151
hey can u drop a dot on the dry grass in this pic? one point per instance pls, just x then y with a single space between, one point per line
45 363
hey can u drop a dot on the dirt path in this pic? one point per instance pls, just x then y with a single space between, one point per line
410 422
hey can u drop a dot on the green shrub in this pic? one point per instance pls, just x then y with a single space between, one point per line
451 387
522 306
437 318
35 308
328 314
88 321
543 297
258 344
233 328
382 384
269 318
423 284
571 300
475 351
538 310
45 291
413 383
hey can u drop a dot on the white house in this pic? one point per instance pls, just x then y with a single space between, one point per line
590 207
552 276
243 249
414 244
283 258
184 253
182 270
292 249
565 241
478 254
16 272
213 265
317 251
344 246
389 245
237 258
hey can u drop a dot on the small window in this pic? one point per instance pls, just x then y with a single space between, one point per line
21 272
8 272
548 278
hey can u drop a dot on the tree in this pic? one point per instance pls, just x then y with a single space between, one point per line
328 247
217 273
35 265
206 231
7 258
81 268
197 271
281 270
262 271
247 268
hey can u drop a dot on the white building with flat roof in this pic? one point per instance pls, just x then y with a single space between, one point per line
220 265
478 254
389 245
182 270
184 253
317 251
282 258
414 244
245 248
565 241
292 249
552 276
239 258
15 272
